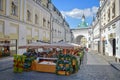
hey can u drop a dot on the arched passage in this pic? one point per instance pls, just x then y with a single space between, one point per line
81 40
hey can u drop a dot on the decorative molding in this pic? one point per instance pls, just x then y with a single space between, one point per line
111 22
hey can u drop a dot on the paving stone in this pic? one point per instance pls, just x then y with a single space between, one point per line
93 67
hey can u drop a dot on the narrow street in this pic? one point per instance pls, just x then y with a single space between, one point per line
93 67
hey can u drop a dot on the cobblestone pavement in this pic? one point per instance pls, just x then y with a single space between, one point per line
6 63
93 67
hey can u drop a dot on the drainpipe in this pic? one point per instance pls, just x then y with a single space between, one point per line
51 32
51 24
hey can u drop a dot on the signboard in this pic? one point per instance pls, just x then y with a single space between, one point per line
111 35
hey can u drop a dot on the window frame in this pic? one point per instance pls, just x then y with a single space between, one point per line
113 10
36 19
44 22
28 15
14 9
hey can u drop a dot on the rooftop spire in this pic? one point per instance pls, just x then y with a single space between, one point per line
83 23
83 17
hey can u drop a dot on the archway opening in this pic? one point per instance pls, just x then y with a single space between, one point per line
81 40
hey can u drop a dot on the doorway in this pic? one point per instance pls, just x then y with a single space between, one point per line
98 46
114 46
104 47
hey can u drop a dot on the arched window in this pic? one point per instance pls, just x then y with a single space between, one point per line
28 15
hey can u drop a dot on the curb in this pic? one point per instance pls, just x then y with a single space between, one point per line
112 65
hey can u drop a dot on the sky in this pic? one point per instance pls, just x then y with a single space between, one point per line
73 10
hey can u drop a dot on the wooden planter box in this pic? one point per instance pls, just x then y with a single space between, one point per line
43 67
63 73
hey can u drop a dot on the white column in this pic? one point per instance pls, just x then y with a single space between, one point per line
21 9
25 10
8 7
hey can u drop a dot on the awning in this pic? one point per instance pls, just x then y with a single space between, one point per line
61 45
34 45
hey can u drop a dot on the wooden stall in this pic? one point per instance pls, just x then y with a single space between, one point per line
48 62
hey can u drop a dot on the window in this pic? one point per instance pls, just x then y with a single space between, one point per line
44 22
36 19
1 4
29 41
104 17
89 38
48 24
108 14
108 28
14 9
28 15
113 26
113 10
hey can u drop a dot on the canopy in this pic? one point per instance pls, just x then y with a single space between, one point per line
35 45
64 45
75 45
61 45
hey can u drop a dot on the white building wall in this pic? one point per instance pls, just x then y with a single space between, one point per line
96 34
118 39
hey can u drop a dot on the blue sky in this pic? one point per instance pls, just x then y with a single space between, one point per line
72 10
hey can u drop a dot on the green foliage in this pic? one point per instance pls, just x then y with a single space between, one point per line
18 63
65 63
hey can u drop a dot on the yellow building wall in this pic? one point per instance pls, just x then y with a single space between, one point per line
36 37
2 30
15 33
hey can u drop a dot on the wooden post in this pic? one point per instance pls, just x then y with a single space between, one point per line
64 51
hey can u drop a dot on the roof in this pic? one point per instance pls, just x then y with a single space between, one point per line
83 23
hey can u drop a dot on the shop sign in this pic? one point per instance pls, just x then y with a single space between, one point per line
112 35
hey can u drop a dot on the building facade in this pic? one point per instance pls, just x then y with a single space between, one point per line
109 23
26 21
60 29
95 34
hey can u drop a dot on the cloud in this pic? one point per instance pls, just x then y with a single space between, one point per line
77 13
